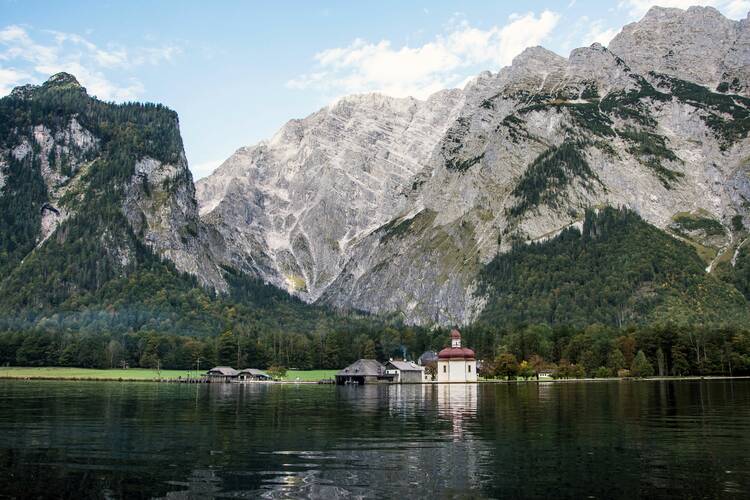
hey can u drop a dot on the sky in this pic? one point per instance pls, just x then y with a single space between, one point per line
236 71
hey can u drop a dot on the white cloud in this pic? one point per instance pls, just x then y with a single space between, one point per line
737 9
364 66
73 53
734 9
599 33
10 78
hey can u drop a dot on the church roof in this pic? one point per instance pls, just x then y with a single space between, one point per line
456 353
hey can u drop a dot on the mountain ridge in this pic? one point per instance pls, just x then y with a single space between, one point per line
650 141
394 207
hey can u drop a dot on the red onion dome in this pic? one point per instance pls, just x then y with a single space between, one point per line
456 353
455 334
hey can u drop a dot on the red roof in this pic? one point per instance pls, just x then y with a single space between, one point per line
456 353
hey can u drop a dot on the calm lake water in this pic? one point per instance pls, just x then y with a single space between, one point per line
686 439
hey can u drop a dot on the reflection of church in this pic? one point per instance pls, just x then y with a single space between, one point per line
456 363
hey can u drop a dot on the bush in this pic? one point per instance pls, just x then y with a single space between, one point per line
277 372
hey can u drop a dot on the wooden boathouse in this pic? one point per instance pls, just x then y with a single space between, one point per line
364 371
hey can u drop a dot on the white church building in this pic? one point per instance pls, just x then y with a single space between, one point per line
456 363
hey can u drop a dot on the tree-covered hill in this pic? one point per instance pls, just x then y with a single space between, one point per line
617 270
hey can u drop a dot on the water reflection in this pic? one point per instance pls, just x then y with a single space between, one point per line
457 402
601 440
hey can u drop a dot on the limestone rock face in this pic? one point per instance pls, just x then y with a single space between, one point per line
290 209
160 207
698 44
395 205
61 156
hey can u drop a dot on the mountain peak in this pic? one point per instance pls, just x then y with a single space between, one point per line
62 79
696 44
537 53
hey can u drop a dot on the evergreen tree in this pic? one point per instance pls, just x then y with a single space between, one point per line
616 361
226 349
641 366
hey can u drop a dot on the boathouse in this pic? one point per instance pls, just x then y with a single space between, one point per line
456 363
252 374
363 371
405 372
222 374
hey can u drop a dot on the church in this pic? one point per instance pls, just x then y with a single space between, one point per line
456 363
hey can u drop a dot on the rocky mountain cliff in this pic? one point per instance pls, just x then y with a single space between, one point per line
398 205
90 191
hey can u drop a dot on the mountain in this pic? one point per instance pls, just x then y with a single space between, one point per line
438 211
403 206
289 209
99 226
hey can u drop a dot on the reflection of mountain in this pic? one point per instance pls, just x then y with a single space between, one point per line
642 439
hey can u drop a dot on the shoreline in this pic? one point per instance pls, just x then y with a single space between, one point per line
157 381
5 376
135 375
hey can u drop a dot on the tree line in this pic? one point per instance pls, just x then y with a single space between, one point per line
603 351
594 351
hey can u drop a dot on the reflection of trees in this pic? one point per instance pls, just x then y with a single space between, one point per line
613 439
627 439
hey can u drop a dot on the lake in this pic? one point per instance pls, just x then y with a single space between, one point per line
629 439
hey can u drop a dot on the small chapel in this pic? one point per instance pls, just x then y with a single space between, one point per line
456 363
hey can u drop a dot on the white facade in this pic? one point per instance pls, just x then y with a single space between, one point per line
405 372
457 370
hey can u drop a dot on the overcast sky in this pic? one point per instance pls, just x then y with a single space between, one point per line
236 71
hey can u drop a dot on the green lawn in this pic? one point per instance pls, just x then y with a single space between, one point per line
135 373
84 373
309 375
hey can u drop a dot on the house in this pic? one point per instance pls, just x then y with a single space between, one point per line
222 374
363 371
405 372
456 363
427 357
251 374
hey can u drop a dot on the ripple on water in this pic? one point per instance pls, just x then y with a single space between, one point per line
602 440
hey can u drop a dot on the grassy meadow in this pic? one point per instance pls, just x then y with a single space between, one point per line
90 373
134 374
309 375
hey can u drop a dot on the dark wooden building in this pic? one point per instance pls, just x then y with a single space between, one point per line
251 374
222 374
363 371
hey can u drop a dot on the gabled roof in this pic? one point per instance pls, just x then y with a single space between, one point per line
254 372
405 366
363 368
227 371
